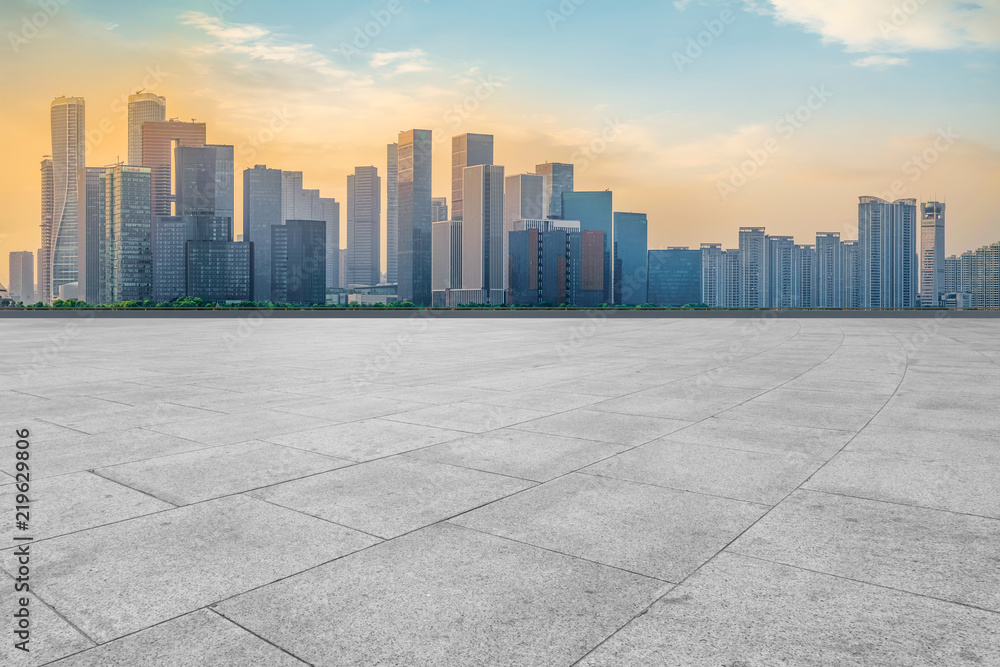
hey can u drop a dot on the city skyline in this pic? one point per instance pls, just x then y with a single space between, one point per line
247 73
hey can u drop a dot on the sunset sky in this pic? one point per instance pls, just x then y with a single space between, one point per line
622 89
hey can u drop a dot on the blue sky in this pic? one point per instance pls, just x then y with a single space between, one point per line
898 72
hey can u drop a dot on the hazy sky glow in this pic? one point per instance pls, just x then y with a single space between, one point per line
706 115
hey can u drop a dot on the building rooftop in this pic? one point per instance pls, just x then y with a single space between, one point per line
506 492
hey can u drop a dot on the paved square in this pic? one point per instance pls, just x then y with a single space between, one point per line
555 492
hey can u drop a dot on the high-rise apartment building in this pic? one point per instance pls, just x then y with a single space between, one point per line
595 211
804 286
483 261
392 214
780 272
631 250
887 242
128 222
157 140
439 209
91 234
364 224
415 161
557 180
142 108
832 278
713 274
261 211
852 262
732 260
67 115
753 267
931 253
467 150
22 277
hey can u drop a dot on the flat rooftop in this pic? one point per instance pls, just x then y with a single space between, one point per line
709 492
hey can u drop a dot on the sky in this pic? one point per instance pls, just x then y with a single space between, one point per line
706 115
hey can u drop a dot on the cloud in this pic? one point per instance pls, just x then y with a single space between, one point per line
259 43
414 60
892 26
681 5
880 61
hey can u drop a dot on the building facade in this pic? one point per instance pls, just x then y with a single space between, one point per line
887 244
22 277
128 222
439 209
392 214
558 178
67 116
261 211
91 235
631 246
753 267
415 178
157 140
932 257
142 108
467 150
595 211
298 262
483 262
675 277
364 224
205 181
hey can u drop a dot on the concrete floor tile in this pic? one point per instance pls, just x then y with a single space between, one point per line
351 409
745 612
392 496
230 429
196 476
653 531
198 639
367 440
929 552
757 477
535 456
812 416
118 579
446 596
468 417
605 426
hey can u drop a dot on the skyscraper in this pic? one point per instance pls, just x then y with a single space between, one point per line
483 262
467 150
298 262
804 277
68 157
128 216
713 275
832 278
364 224
261 211
780 270
446 260
558 179
753 267
931 253
415 159
439 209
205 181
675 277
44 292
142 107
91 234
852 262
157 139
631 249
732 260
887 243
392 214
22 277
595 212
298 203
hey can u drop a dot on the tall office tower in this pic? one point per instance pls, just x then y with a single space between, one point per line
557 180
22 277
44 292
713 274
467 150
68 157
298 262
142 108
594 210
804 277
887 239
415 159
483 264
128 222
261 211
91 234
446 260
931 253
780 269
675 277
156 140
439 209
524 199
329 212
217 268
832 280
300 204
753 266
392 214
631 249
523 246
205 181
585 277
364 224
342 268
168 245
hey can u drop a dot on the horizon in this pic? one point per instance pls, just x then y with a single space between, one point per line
856 75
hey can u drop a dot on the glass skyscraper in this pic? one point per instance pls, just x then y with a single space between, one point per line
675 277
205 181
128 221
142 108
931 253
364 225
631 246
595 211
261 211
298 262
157 140
91 234
67 115
415 156
558 179
483 247
467 150
391 214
